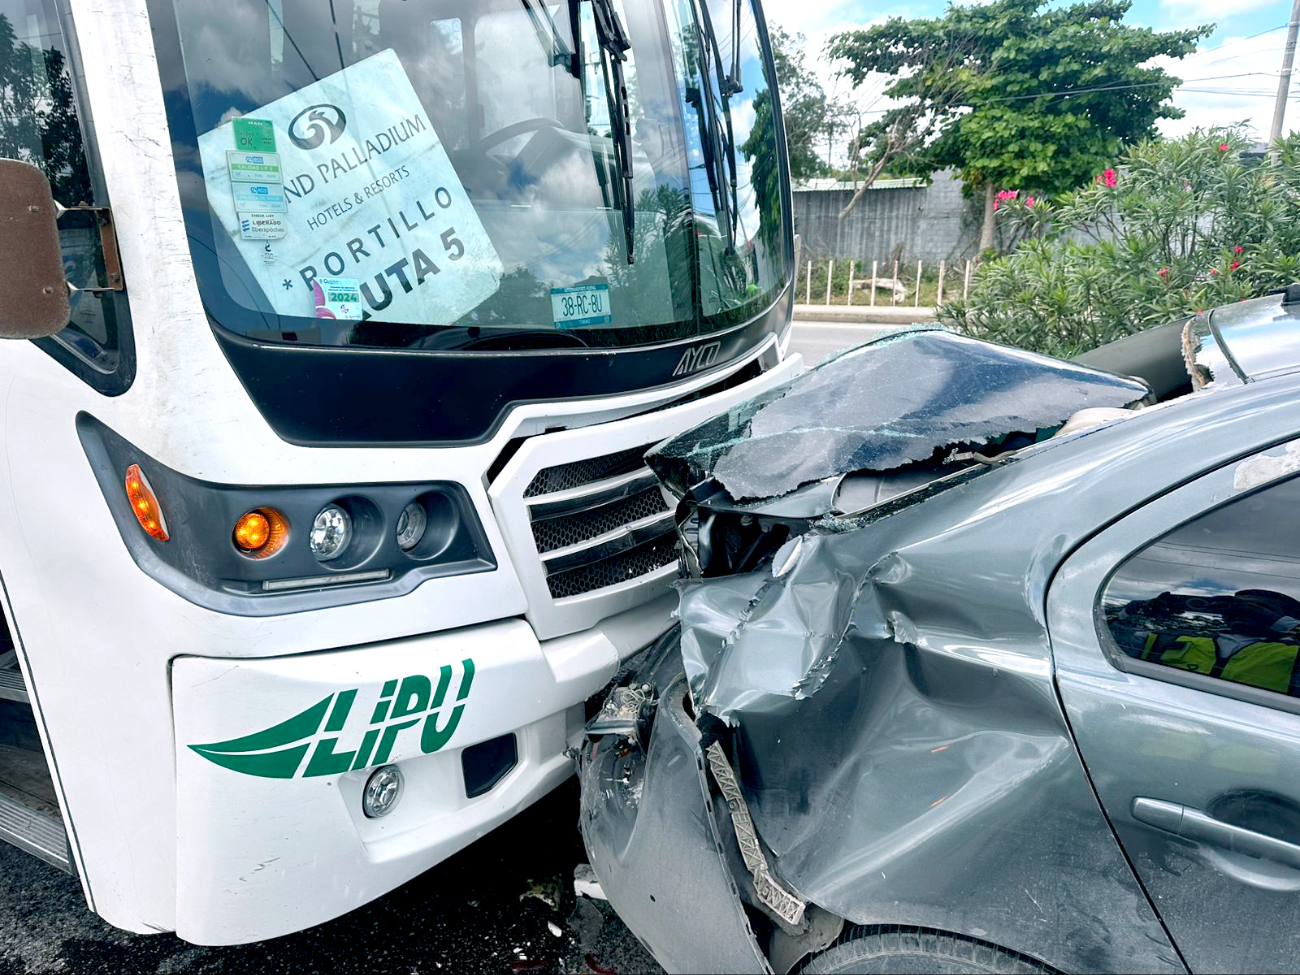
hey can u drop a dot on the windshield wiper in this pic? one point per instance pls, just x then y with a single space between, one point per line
719 147
733 85
614 42
548 34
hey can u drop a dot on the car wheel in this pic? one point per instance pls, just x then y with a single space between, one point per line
887 949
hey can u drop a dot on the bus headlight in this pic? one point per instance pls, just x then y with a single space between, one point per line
410 525
330 533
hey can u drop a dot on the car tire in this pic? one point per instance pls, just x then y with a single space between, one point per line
893 949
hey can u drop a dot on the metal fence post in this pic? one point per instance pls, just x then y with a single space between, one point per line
807 299
916 299
852 265
893 290
965 291
873 282
942 268
830 277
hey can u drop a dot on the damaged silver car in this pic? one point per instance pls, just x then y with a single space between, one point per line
987 662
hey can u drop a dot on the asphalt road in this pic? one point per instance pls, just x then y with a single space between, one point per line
816 340
465 915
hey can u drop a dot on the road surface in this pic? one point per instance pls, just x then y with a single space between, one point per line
816 340
465 915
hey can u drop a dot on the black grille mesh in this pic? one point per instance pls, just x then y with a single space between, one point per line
566 476
570 529
639 561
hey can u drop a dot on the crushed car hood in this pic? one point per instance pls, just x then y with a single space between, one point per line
897 400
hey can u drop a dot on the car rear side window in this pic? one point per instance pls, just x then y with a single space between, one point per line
1219 596
40 124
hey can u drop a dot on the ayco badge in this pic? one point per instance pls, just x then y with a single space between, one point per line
701 357
322 729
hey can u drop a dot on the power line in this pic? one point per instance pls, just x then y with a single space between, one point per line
1284 82
1181 86
1241 40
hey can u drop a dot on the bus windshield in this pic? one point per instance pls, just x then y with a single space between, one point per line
457 174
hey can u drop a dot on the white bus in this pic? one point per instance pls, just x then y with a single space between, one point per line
338 329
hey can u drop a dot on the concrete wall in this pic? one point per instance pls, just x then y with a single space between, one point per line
929 223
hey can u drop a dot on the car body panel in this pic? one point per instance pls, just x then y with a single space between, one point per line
1149 737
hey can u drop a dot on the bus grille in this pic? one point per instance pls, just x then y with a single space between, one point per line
599 523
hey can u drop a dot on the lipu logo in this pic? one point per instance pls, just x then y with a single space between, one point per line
322 121
701 357
277 752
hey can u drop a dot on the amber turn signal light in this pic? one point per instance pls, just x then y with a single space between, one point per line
144 503
261 533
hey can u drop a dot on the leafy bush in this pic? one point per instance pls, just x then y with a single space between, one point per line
1176 227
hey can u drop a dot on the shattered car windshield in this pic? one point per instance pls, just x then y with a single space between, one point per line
455 173
895 401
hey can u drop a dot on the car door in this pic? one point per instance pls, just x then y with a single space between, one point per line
1175 633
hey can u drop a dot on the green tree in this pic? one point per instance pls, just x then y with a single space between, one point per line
1013 94
808 114
38 123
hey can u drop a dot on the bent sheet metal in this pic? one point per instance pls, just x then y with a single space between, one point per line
877 712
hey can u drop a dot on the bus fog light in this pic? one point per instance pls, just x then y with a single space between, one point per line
410 525
330 533
383 790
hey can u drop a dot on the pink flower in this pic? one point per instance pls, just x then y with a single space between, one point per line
1163 272
1238 249
1224 147
1234 265
1214 270
1029 201
1111 178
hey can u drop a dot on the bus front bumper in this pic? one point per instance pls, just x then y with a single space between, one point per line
273 755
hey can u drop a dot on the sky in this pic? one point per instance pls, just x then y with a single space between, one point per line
1233 76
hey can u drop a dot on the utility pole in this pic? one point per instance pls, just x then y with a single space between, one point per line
1284 83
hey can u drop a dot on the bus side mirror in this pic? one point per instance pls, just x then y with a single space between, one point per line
33 289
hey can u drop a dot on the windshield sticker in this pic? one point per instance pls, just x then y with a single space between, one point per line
262 226
254 135
581 307
254 167
368 192
338 298
257 185
259 197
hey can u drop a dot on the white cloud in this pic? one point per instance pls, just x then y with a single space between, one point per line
1235 81
803 16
